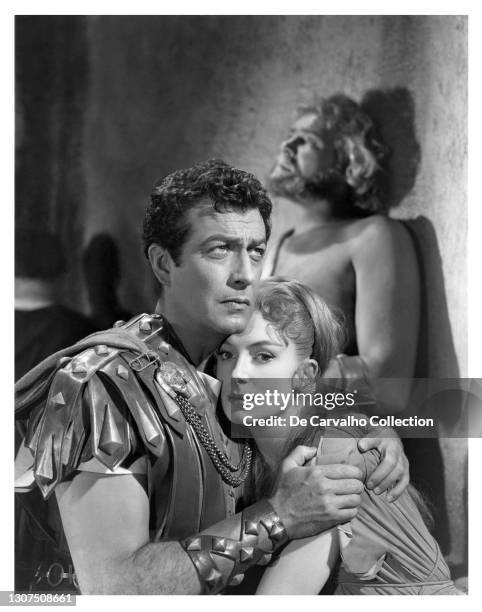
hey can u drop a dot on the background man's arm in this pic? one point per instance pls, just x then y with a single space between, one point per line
387 309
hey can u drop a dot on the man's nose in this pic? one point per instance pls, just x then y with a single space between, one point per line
243 273
292 144
240 373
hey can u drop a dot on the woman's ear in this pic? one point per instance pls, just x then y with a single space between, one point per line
305 374
161 263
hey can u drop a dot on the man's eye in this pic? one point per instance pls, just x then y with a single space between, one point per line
257 254
264 357
223 355
219 250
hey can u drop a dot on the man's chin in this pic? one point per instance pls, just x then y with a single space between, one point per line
234 324
286 186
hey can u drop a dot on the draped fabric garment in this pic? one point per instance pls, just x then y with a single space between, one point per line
387 548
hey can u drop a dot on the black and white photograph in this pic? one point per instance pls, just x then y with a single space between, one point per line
241 306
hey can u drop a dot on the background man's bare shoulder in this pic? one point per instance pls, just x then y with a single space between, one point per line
379 233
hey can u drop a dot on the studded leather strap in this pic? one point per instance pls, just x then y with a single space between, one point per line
261 534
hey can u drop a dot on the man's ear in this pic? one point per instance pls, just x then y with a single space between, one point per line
307 371
161 263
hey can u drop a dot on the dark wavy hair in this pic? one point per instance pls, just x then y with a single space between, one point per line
361 155
227 188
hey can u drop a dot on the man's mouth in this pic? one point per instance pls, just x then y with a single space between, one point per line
237 302
286 164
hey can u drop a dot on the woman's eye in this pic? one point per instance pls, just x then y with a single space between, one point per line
264 357
223 355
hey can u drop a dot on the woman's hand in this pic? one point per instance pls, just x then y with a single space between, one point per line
392 473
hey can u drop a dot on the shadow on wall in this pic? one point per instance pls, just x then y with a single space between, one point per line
393 111
439 360
102 273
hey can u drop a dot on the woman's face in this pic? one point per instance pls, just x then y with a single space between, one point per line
255 361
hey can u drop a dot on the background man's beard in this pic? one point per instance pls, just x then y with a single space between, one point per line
331 187
291 186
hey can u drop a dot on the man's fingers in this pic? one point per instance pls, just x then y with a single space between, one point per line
299 456
339 470
387 465
368 444
348 501
380 440
390 480
346 486
398 489
346 514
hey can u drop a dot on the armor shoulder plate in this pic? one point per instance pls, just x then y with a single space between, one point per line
94 408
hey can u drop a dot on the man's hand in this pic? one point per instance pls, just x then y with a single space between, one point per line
392 473
310 499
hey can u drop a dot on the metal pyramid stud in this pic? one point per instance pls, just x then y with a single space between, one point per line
268 523
45 467
110 439
172 409
101 349
152 434
246 553
194 544
235 580
251 528
67 445
78 368
213 576
264 560
145 326
164 347
59 399
276 532
122 372
219 544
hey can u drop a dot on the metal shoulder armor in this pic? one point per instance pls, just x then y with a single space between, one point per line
97 406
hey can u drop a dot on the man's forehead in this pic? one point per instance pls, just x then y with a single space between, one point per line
206 221
309 122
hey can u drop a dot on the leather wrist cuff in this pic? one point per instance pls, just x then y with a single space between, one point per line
245 552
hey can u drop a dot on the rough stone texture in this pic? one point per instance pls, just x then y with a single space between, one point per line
166 91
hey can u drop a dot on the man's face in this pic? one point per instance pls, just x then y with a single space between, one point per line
213 287
305 156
